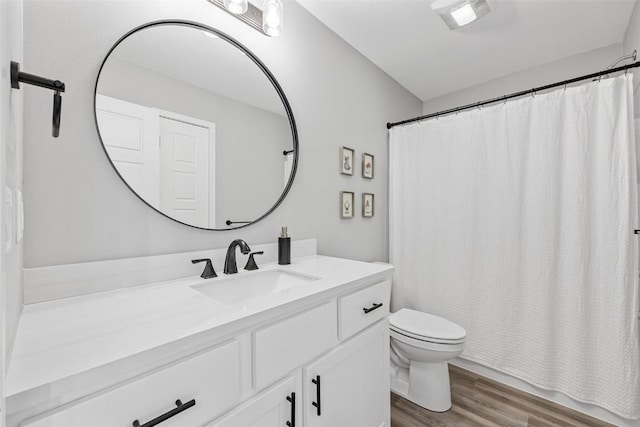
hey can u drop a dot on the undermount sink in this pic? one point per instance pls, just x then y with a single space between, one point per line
243 287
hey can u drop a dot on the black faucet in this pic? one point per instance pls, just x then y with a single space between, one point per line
230 266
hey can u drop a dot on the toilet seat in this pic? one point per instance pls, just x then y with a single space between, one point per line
426 327
437 347
401 334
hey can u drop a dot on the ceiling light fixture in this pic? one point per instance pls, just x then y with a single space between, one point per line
458 13
268 20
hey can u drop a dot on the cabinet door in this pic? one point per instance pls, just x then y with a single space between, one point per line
353 379
276 407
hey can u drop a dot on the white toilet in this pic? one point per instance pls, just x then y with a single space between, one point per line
421 345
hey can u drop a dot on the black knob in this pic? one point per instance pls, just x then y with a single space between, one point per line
251 263
208 272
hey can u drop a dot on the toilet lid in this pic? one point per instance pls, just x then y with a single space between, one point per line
418 323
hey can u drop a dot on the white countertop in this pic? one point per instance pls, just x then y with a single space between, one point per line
59 339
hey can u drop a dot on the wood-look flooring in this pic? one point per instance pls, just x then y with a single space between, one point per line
479 401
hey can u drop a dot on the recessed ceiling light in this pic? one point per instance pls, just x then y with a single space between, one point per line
464 15
458 13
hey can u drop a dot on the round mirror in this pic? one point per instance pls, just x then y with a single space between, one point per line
196 125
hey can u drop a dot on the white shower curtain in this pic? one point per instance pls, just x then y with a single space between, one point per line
516 222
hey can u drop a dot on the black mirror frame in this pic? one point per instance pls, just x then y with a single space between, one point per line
265 70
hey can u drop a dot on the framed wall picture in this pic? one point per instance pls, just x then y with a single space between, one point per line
367 165
367 205
346 160
346 204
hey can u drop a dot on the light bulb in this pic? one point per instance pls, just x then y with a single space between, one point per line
272 17
464 15
237 7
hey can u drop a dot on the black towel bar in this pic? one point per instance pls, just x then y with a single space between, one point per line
56 86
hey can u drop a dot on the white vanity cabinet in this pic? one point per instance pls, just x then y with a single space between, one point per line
353 390
347 386
321 363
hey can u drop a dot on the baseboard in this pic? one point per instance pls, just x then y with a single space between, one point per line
553 396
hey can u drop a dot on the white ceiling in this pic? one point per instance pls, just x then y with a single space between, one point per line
413 45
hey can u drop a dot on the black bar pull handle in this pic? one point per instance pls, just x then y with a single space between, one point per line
373 307
316 381
292 399
164 417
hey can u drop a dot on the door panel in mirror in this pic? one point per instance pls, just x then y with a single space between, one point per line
184 172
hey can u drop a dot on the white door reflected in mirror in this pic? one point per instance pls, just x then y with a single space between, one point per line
187 171
166 158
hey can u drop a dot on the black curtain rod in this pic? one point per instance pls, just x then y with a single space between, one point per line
516 94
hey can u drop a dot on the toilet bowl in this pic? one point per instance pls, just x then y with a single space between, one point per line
421 345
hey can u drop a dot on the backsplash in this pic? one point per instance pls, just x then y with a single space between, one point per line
65 281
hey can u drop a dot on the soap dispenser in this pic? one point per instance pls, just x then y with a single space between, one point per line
284 247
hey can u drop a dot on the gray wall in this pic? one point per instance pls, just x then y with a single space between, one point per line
631 42
10 178
78 210
573 66
249 140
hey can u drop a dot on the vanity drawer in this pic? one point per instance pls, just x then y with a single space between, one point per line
282 347
362 308
211 378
